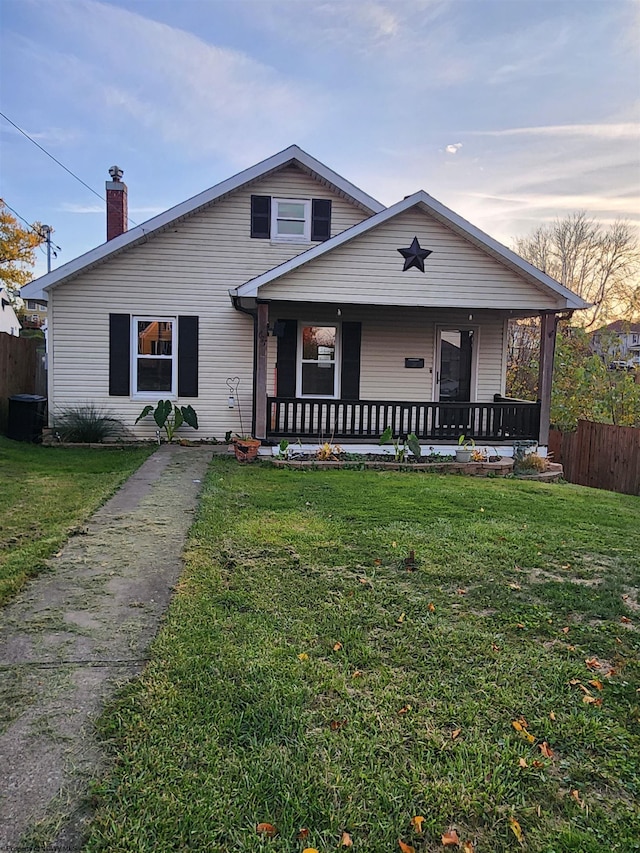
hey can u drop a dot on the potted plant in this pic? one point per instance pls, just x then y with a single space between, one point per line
464 449
245 447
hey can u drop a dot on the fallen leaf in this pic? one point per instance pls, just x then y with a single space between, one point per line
517 725
619 641
566 566
404 710
592 663
310 850
303 834
594 682
401 618
267 829
515 827
406 848
528 737
365 581
522 762
481 509
416 823
552 716
515 586
455 733
303 656
519 625
451 839
461 591
574 681
576 796
394 544
565 630
357 674
584 689
591 700
337 647
377 562
625 619
545 749
346 840
538 764
495 648
468 847
431 607
337 724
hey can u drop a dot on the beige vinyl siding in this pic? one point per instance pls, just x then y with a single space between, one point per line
368 270
390 335
186 270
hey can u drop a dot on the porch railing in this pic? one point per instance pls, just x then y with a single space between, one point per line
367 419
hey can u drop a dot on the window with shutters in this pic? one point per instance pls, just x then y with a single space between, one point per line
317 361
154 368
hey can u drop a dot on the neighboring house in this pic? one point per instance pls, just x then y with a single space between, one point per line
35 314
9 322
338 316
619 343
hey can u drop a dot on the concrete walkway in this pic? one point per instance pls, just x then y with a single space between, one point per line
75 635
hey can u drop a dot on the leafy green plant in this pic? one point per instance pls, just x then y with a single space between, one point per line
466 443
401 446
87 424
170 417
283 449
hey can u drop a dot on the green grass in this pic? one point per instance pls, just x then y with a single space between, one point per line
229 727
44 493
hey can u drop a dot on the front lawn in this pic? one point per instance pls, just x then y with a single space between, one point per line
44 493
349 651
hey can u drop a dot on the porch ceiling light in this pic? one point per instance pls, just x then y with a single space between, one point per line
414 256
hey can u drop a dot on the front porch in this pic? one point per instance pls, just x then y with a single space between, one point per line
504 420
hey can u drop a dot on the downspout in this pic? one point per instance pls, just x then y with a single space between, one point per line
235 300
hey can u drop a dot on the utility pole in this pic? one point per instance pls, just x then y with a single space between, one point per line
45 231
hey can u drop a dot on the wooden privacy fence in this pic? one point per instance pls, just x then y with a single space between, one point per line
21 370
599 455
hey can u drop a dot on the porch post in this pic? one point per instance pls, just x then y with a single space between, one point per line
548 326
260 386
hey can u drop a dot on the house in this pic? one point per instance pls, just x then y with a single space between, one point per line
35 314
9 322
332 315
619 344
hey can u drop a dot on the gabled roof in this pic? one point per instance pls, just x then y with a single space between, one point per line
291 155
443 215
621 327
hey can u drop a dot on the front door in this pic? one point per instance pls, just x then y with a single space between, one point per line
455 365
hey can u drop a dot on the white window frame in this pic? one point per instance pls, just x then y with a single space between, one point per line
154 395
337 360
291 238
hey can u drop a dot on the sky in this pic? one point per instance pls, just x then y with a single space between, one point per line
510 112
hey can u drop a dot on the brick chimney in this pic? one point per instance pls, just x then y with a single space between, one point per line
117 206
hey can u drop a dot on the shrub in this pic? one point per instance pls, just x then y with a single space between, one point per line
87 423
531 462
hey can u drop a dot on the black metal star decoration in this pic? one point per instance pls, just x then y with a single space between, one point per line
414 256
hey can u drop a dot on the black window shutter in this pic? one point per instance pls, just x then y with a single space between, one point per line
119 355
350 377
286 364
187 356
320 219
261 216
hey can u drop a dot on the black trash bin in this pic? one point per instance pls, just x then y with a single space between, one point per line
26 417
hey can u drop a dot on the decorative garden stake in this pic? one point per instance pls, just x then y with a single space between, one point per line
245 447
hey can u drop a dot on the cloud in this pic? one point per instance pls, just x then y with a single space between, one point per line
622 130
199 96
454 148
72 207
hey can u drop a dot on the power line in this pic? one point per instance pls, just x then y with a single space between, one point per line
44 151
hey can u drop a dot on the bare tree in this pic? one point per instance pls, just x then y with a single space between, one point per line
598 263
